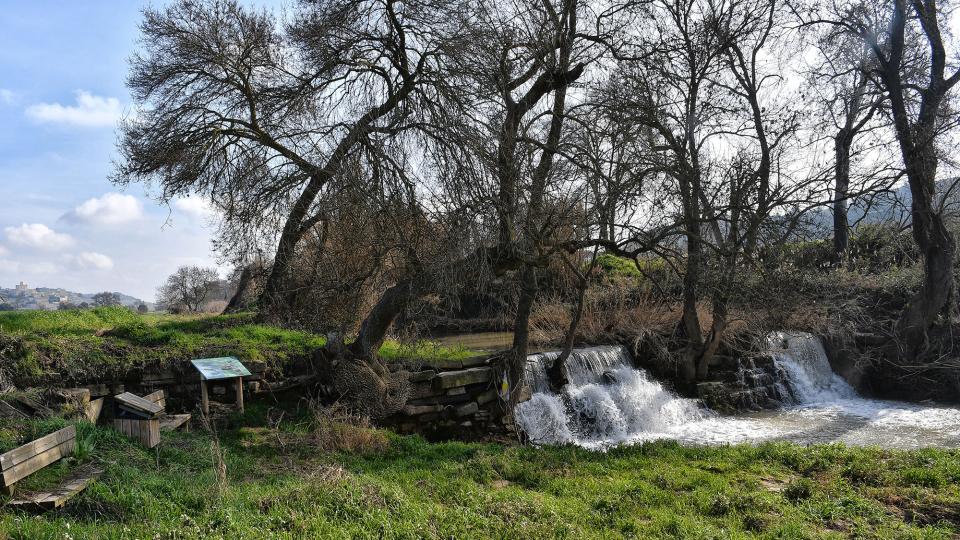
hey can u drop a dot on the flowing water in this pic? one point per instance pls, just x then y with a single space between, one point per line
608 402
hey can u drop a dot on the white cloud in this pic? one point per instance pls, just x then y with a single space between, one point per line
38 235
91 260
194 207
4 251
89 111
7 96
110 209
32 268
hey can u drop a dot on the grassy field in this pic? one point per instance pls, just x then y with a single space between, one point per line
105 343
310 476
288 470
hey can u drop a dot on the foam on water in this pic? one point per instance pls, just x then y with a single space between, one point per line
608 402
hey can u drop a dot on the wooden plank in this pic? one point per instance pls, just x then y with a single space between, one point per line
157 397
37 462
204 398
137 404
38 446
240 394
171 422
154 433
58 496
93 409
10 411
451 379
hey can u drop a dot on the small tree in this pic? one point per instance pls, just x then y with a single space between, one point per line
188 288
105 299
142 308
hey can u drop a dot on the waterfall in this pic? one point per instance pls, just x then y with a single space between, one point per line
809 375
605 401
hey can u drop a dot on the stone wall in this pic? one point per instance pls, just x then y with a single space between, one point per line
745 384
453 398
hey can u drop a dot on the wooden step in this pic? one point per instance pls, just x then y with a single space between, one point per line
57 497
171 422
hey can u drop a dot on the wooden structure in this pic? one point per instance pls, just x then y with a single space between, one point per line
168 422
138 418
58 496
214 369
21 462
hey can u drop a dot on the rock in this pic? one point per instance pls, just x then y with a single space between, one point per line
450 379
458 391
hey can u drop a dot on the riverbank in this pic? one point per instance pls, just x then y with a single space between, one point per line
304 475
80 347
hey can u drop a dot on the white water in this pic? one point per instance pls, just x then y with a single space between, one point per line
608 402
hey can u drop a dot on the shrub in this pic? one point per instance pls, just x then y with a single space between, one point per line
798 490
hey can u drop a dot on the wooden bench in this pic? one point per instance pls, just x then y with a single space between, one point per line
143 418
58 496
21 462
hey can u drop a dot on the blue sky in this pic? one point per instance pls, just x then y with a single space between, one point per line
62 223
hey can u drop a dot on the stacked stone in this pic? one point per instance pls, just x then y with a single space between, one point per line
458 395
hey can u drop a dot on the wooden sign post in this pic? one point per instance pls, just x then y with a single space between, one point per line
215 369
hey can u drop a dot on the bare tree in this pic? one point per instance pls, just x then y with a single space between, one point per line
260 115
188 289
912 67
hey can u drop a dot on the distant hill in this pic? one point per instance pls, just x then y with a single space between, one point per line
50 298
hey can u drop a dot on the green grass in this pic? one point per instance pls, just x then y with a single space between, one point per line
280 484
106 343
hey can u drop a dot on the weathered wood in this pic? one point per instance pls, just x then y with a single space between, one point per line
93 409
476 361
137 405
466 410
415 410
158 397
422 376
450 379
239 385
146 432
38 461
57 497
171 422
9 411
204 398
20 454
487 397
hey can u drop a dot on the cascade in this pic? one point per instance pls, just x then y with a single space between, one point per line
809 375
605 401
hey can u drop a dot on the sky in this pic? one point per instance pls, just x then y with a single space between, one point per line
62 222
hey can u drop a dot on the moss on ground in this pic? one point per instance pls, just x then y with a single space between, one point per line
291 482
40 347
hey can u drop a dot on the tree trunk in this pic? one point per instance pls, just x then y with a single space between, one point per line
937 245
517 357
841 225
238 301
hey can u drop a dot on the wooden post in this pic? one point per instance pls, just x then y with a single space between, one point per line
204 398
240 394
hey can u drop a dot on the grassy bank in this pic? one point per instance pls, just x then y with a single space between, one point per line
315 478
104 343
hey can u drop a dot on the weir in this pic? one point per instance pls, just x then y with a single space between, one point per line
606 401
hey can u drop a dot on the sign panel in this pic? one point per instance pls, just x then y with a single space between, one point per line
213 369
